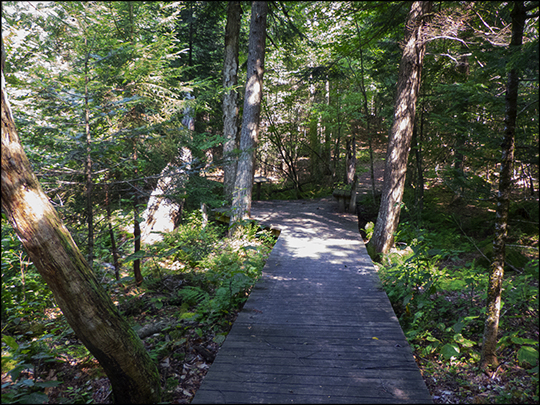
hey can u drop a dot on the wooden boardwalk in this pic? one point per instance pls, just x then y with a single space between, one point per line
317 328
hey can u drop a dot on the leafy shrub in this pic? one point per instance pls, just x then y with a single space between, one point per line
192 240
224 282
16 358
24 294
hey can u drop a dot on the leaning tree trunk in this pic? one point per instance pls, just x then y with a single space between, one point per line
163 212
493 305
410 70
230 99
86 306
243 185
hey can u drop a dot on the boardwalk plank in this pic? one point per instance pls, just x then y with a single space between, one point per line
317 328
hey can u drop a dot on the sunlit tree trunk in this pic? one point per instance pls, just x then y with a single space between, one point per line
327 147
399 141
86 306
230 99
350 169
243 186
493 305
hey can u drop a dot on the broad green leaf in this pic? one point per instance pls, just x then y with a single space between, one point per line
34 398
458 326
45 384
527 354
462 341
450 350
10 341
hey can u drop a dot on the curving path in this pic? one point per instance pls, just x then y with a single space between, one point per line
317 328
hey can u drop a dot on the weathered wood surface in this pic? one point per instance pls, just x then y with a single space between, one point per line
317 328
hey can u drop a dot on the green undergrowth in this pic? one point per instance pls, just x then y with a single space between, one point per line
195 281
436 279
214 273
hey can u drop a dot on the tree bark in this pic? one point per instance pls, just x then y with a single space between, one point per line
327 147
86 306
88 165
350 160
243 185
408 85
114 249
493 306
419 187
230 99
368 121
163 213
136 222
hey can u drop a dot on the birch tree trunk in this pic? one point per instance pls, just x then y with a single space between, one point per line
230 100
87 307
493 306
245 171
399 141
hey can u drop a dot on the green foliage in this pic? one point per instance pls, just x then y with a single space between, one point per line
439 297
17 358
192 240
24 294
220 274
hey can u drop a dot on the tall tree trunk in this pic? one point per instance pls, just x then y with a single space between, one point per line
243 185
114 249
419 189
327 147
88 165
350 169
87 307
314 143
372 169
230 99
493 305
462 135
136 222
368 120
190 38
410 70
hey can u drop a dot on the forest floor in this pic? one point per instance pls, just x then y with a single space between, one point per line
183 368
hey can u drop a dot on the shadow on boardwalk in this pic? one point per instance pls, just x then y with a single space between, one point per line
317 328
